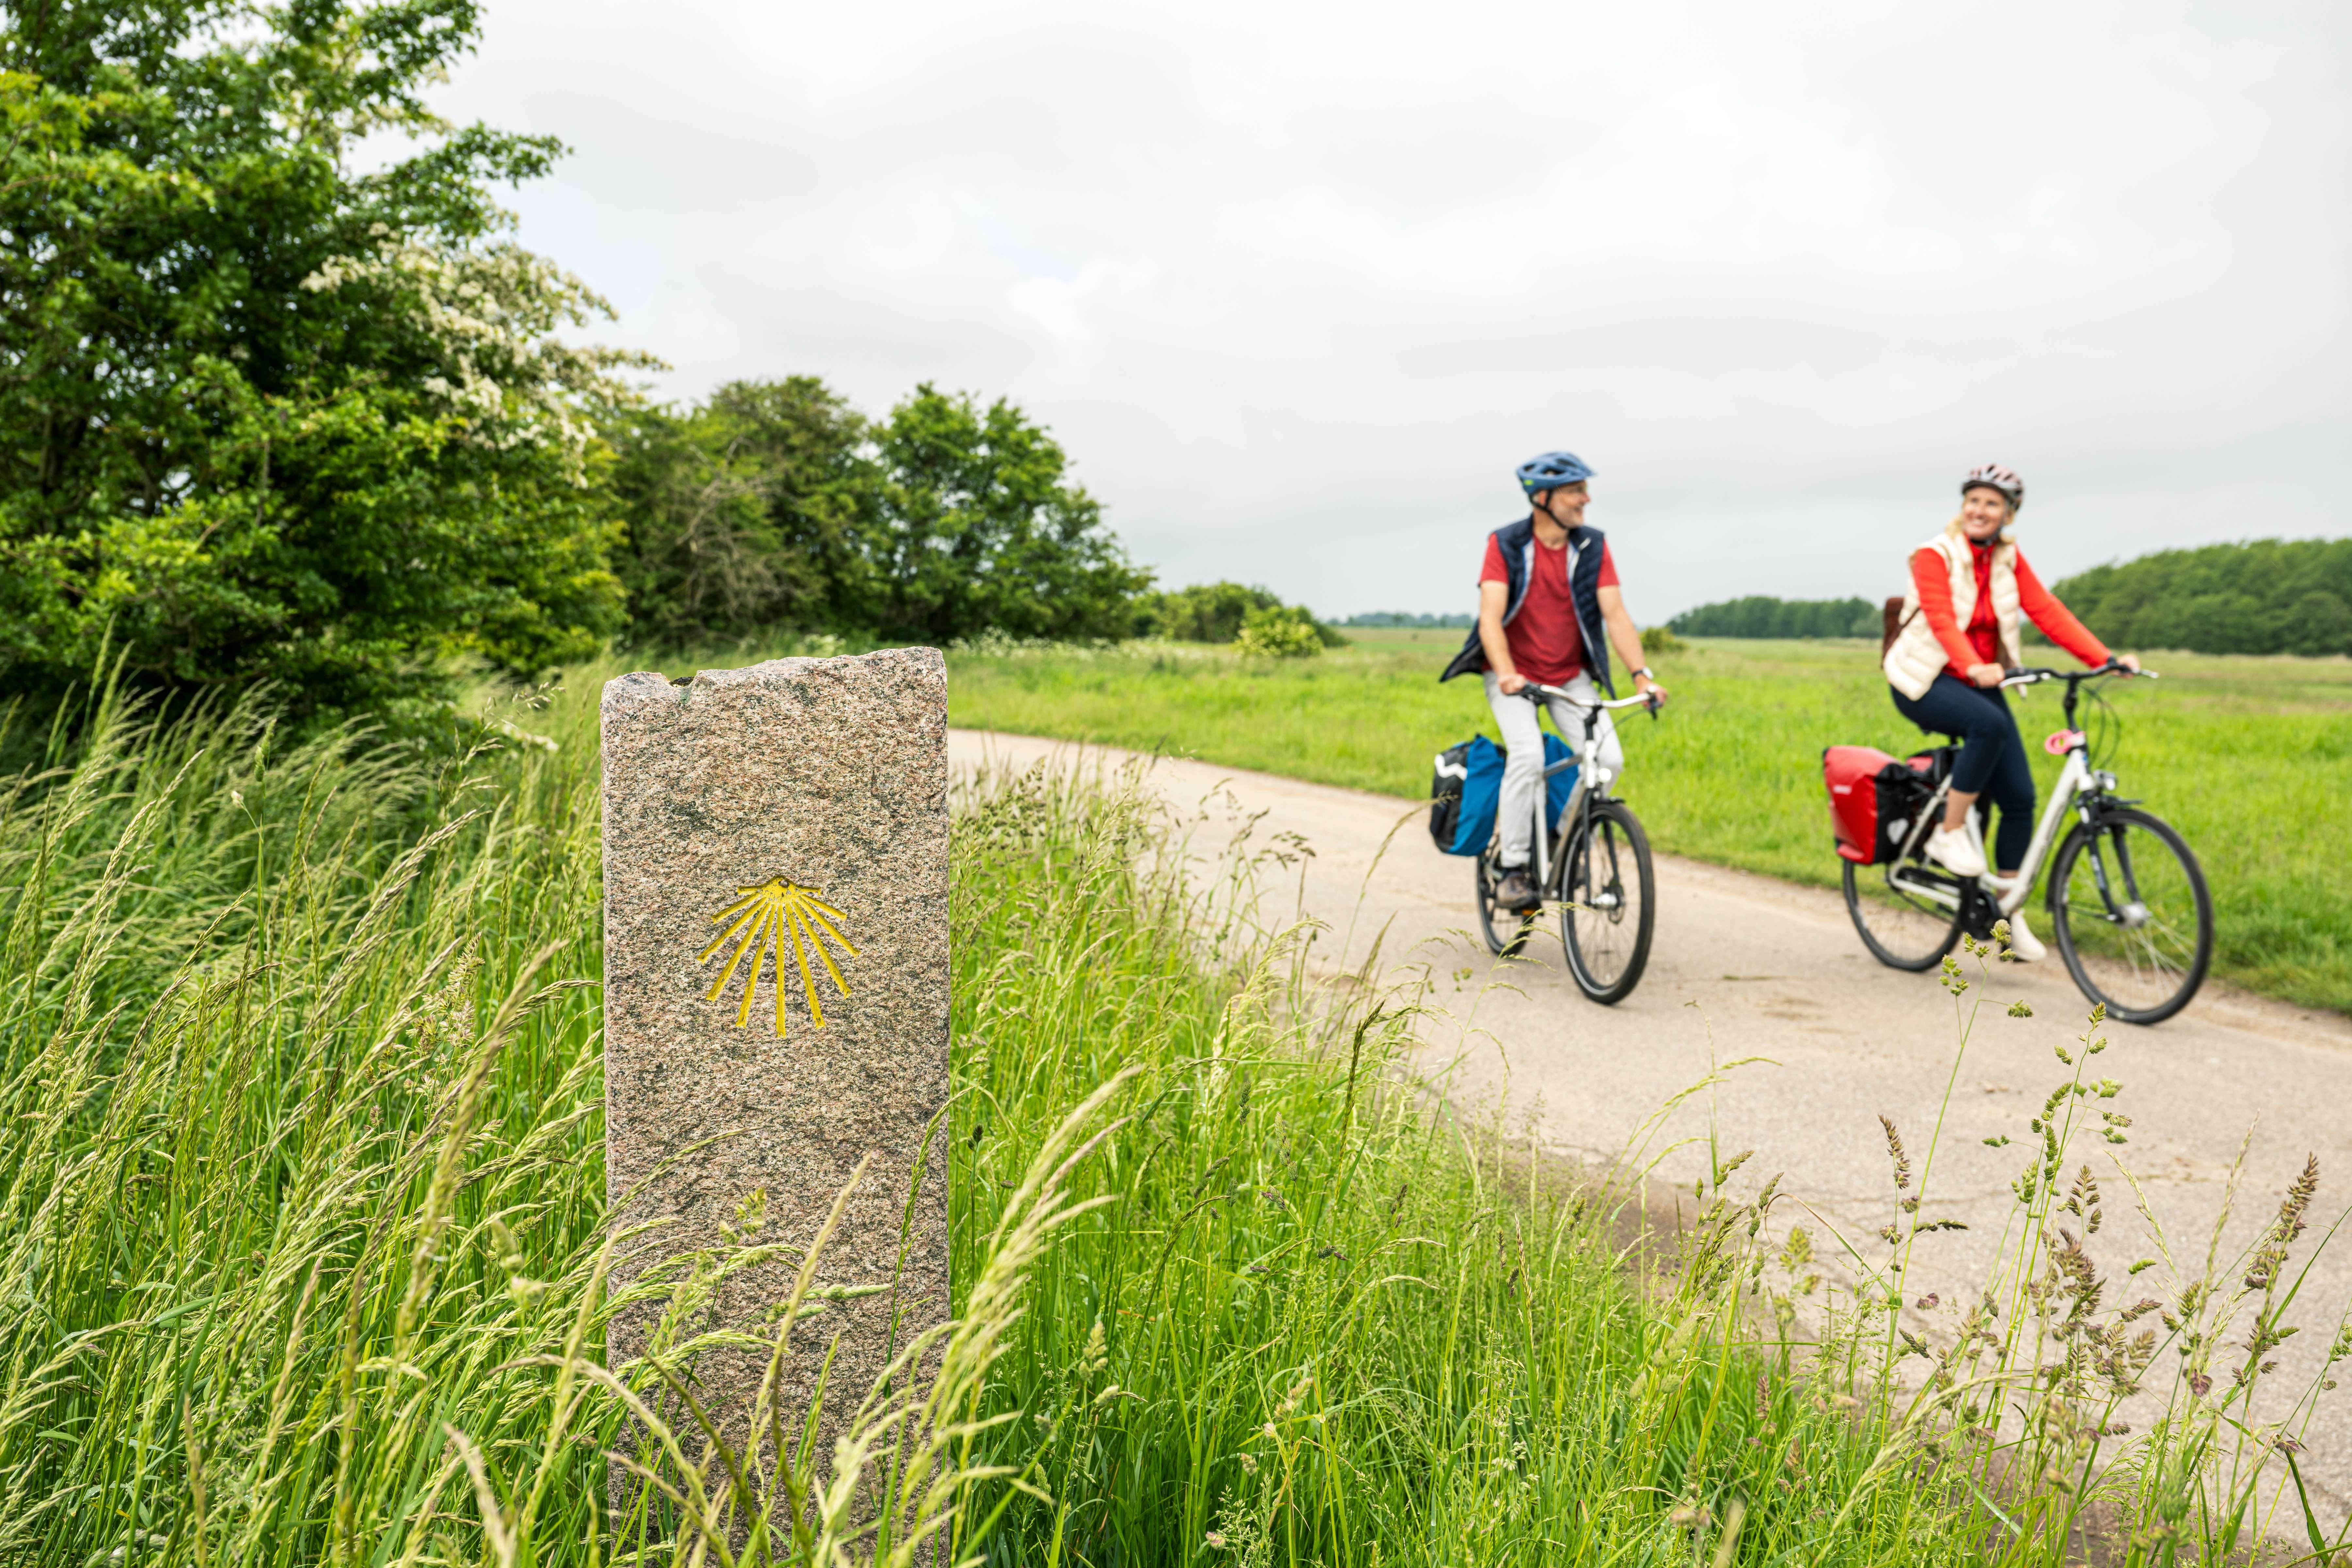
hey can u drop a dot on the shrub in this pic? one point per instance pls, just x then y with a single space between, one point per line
1218 613
1281 632
1206 612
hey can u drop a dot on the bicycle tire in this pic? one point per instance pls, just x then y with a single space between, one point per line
1500 946
1907 935
2175 968
1593 873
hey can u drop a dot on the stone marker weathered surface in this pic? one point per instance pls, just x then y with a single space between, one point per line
802 803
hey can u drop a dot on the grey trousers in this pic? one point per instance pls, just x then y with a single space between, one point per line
1523 773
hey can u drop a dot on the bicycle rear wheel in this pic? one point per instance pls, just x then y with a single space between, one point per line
1901 913
2133 918
1609 898
1506 931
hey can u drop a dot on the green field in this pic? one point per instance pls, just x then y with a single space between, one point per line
2250 757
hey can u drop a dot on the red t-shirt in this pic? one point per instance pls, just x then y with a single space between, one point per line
1547 646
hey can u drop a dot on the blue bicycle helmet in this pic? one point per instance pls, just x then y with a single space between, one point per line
1553 470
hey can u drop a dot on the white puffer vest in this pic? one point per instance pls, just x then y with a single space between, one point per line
1915 658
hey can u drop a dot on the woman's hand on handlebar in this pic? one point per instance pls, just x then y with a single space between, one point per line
2129 661
1987 675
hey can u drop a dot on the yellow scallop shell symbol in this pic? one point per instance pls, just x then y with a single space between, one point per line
763 919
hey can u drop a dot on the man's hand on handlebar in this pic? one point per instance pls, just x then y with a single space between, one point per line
1650 690
1512 684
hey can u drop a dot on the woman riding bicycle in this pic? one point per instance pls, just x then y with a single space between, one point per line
1959 635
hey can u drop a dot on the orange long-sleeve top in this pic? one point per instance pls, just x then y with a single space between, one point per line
1980 641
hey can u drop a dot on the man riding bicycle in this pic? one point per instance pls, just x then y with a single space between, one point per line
1547 596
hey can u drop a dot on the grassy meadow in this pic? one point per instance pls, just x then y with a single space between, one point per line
304 1257
2250 757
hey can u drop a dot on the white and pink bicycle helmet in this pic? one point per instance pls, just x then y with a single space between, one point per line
1999 477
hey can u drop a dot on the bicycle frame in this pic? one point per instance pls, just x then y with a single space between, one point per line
1593 780
2082 790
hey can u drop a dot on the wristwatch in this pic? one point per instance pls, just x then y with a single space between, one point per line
1644 674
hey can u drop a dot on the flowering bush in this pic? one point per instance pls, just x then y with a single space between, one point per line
270 416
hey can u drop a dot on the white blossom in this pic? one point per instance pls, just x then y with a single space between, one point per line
492 311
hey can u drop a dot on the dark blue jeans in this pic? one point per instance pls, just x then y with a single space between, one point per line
1992 761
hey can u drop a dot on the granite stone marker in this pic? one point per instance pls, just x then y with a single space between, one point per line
776 980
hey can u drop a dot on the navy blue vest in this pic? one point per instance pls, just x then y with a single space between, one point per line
1517 543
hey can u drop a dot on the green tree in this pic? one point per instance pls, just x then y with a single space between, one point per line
263 415
748 514
776 506
979 531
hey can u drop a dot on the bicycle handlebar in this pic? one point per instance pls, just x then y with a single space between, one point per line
1533 692
2023 677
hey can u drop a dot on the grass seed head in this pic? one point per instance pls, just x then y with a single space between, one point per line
2298 1198
1894 1149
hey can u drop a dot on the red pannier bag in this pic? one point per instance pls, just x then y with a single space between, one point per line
1874 799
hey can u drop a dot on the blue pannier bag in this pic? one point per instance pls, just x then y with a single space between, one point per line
1467 783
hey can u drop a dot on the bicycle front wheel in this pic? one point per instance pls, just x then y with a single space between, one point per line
1609 896
1908 914
2133 918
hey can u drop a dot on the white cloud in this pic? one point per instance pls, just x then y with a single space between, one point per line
1298 284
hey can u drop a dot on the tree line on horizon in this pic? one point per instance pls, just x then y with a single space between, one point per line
2260 597
1762 615
2257 596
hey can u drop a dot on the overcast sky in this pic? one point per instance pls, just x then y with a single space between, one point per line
1297 286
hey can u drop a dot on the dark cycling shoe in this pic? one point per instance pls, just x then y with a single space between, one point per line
1516 891
1977 917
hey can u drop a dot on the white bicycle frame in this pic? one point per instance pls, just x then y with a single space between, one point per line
2075 779
1589 776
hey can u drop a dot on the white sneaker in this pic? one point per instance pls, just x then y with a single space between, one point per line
1949 846
2024 946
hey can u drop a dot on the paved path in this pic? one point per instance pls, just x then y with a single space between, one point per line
1767 968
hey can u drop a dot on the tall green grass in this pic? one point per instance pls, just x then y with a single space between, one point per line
303 1252
302 1093
2250 757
